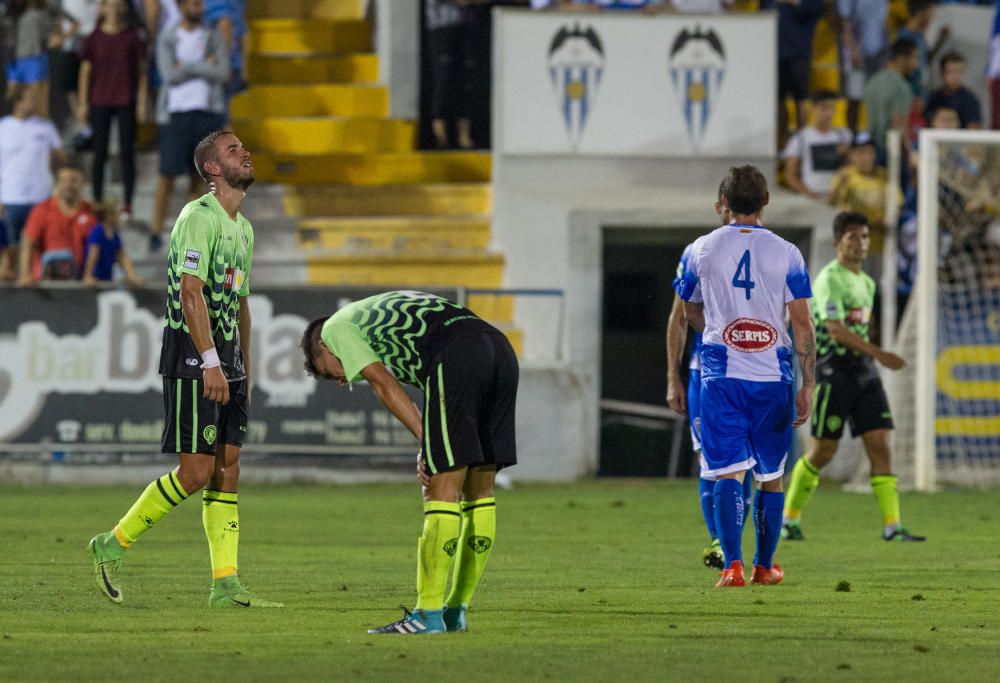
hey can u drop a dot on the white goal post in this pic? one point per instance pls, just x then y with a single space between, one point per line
947 402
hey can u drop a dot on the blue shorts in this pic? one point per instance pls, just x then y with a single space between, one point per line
28 69
180 136
14 217
694 407
749 427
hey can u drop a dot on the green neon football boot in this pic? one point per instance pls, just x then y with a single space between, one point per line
712 555
107 554
229 592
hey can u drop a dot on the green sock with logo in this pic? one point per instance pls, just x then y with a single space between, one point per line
159 498
479 528
805 479
436 550
220 515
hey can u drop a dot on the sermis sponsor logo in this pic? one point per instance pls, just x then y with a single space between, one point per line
749 335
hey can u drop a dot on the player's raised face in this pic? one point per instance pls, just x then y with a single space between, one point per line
234 162
853 244
327 365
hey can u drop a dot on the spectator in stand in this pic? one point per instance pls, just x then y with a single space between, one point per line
796 26
451 53
228 17
113 88
954 95
34 32
888 95
588 5
861 186
57 229
921 14
104 249
863 41
64 57
29 147
194 64
816 152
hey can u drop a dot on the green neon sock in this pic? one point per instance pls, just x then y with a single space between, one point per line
220 515
436 550
805 478
159 498
887 495
479 528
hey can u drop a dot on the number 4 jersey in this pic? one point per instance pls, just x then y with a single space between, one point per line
744 275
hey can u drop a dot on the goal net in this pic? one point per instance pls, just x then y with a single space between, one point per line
946 402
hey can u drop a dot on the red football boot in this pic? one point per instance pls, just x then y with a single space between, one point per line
732 577
767 577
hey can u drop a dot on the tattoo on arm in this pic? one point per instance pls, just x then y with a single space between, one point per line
806 348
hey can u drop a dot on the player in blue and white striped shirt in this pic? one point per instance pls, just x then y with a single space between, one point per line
737 283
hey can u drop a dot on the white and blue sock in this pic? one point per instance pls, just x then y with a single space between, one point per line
729 512
706 488
768 506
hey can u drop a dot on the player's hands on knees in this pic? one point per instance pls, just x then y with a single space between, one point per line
803 405
891 360
422 475
216 386
676 396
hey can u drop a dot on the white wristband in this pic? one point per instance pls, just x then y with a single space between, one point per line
210 359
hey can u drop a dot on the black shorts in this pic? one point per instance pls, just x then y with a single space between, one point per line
844 395
180 136
793 78
197 425
469 401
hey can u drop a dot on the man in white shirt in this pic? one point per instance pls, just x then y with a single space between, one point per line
737 283
30 147
815 154
194 62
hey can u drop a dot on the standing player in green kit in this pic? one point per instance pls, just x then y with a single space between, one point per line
204 361
469 374
848 388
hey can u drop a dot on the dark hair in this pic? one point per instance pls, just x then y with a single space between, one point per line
722 189
310 340
824 96
845 220
746 190
71 165
206 151
931 113
950 57
902 47
102 210
917 6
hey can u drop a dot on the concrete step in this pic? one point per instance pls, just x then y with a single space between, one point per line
305 9
334 99
390 200
405 270
327 135
306 36
374 169
282 69
497 308
401 233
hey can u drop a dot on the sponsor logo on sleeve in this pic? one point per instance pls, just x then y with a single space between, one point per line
749 335
191 259
859 315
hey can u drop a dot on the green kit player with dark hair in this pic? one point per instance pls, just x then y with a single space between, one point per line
204 361
848 388
468 373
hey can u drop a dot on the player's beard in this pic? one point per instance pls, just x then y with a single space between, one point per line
238 178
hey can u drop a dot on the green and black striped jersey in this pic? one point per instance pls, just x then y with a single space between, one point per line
403 330
216 249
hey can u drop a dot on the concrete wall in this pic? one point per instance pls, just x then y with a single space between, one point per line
397 42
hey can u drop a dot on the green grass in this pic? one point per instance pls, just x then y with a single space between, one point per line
592 581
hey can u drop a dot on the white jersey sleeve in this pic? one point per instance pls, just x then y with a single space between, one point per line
745 275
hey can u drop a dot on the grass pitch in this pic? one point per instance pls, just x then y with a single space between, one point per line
593 581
